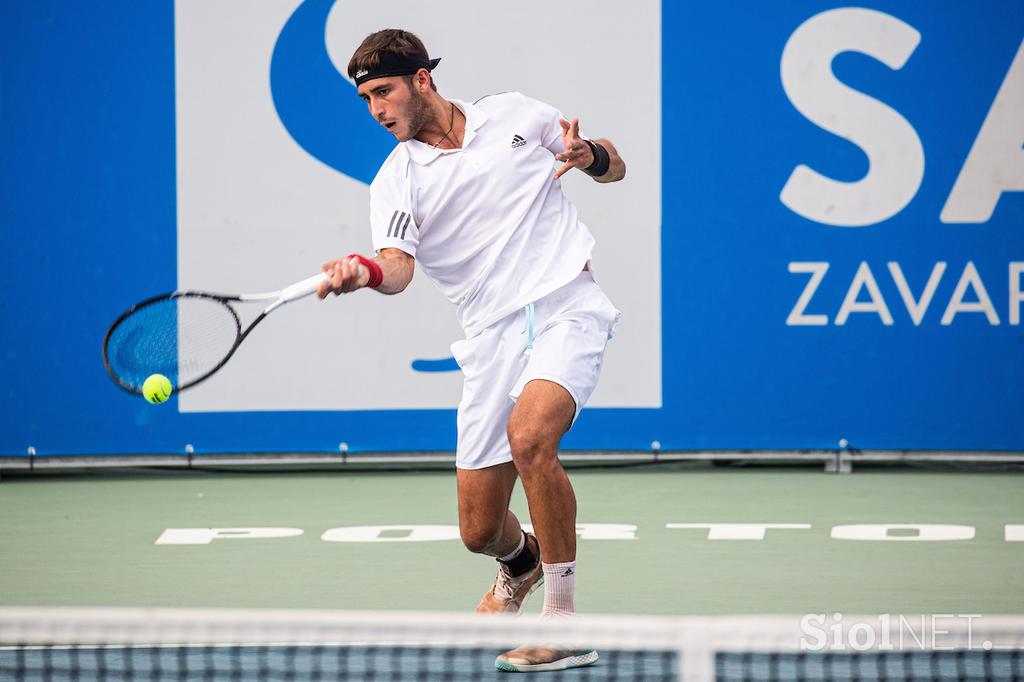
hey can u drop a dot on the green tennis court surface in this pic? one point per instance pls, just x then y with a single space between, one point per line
91 538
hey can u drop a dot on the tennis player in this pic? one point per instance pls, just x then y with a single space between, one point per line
472 194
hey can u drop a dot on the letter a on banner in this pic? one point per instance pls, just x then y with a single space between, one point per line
996 161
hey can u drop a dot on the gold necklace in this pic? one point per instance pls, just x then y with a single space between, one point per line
450 128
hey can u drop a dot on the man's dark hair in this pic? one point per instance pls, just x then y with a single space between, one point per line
393 40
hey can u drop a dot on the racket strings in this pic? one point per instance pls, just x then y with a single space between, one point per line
182 338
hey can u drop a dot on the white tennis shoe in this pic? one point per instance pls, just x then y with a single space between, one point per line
509 593
530 659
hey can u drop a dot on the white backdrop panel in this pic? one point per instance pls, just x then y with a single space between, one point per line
256 211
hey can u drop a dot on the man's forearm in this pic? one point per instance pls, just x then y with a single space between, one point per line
397 268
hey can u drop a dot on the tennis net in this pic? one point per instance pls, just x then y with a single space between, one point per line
247 644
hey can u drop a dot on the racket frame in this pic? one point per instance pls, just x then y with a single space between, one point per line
293 292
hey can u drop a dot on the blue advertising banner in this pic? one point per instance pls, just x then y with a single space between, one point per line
820 236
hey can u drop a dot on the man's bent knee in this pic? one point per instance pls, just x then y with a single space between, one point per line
483 506
531 446
481 540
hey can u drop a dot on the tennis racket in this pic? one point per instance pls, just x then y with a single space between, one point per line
185 335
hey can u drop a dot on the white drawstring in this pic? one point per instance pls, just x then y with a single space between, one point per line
529 325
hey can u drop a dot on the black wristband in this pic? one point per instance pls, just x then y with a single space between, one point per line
601 160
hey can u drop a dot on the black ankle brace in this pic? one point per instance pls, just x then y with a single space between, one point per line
524 561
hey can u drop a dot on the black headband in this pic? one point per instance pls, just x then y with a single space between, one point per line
393 64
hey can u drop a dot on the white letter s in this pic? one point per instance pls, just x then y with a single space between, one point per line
893 148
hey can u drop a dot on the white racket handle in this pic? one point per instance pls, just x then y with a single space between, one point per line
292 292
307 286
301 289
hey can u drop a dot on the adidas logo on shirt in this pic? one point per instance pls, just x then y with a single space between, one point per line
517 141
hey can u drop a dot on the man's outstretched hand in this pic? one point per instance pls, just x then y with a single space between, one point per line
577 152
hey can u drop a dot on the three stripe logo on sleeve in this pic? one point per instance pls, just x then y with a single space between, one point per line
399 224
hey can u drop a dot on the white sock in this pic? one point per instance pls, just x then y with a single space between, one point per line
559 588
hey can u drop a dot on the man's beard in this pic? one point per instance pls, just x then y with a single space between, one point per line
419 113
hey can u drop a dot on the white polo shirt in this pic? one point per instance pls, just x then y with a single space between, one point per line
486 222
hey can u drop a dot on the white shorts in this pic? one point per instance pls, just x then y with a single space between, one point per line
571 327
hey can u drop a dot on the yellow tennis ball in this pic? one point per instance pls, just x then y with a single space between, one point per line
156 388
